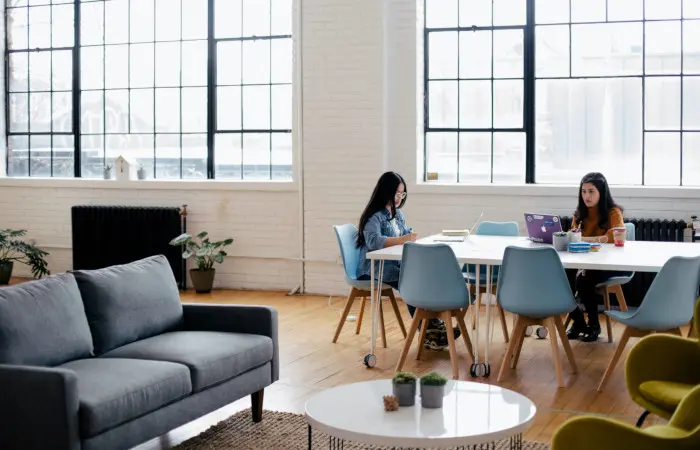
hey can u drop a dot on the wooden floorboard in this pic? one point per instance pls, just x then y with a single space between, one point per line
310 363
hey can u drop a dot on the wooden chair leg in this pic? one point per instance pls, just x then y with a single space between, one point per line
608 322
518 330
348 304
447 317
549 323
691 330
626 335
504 325
676 331
417 317
520 340
381 323
399 319
465 336
362 314
617 290
421 338
565 343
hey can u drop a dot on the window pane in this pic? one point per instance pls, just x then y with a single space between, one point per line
194 110
17 26
256 62
691 46
195 15
282 107
443 55
167 18
63 156
691 159
91 68
589 125
508 53
117 66
441 155
443 104
194 63
256 156
168 110
228 106
168 157
663 103
282 61
229 63
588 10
551 11
509 158
662 9
40 156
19 113
168 64
40 112
117 27
475 158
475 12
256 17
281 17
228 20
92 156
141 65
141 110
281 156
256 107
135 146
475 104
40 27
691 103
441 13
509 12
606 49
62 72
62 26
117 108
17 156
142 21
552 51
40 71
228 155
508 104
19 72
62 115
663 47
91 112
691 9
474 56
626 10
662 159
194 156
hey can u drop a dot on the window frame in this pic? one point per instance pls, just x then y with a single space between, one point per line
76 97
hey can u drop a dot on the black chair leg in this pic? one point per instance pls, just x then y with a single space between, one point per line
642 418
256 400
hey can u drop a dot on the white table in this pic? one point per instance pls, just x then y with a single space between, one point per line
637 256
472 414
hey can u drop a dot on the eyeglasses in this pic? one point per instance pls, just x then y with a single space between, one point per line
400 195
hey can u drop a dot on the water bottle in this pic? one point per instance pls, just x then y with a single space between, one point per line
688 233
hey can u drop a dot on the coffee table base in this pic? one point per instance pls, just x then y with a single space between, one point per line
334 443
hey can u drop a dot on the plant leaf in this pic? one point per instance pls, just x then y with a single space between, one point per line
202 235
181 240
187 254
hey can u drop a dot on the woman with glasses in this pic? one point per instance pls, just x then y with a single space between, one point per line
382 225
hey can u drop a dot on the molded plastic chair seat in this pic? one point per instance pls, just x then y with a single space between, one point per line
350 255
616 281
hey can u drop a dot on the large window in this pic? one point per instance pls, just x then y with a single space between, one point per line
546 90
190 89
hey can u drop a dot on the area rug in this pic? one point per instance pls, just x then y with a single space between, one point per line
280 430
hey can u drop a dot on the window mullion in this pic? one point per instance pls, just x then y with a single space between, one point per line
211 91
77 142
529 92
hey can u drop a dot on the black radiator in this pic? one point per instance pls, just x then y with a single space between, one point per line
645 230
108 235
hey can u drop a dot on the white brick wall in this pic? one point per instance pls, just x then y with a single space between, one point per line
361 115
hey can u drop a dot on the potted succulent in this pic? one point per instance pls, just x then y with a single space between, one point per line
404 387
432 390
560 240
141 173
13 249
205 253
108 172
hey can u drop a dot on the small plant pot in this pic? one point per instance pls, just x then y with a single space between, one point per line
405 393
141 174
5 272
431 396
560 242
202 280
108 174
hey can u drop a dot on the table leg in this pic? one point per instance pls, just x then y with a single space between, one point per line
309 439
475 342
375 298
487 343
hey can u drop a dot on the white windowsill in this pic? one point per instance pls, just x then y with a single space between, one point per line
198 185
551 190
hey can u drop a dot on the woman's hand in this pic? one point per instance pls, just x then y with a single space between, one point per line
410 237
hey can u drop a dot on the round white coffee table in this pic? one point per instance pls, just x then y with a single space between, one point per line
473 414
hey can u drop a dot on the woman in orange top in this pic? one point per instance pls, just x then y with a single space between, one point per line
597 214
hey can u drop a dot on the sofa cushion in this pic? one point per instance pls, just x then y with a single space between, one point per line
114 391
130 302
43 323
665 394
213 357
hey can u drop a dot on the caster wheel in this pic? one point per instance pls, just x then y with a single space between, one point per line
541 333
478 370
472 370
370 360
528 331
487 370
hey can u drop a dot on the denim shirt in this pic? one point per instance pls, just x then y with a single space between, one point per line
377 230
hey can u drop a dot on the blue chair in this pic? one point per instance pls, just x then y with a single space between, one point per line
667 306
432 282
469 270
533 286
614 286
350 255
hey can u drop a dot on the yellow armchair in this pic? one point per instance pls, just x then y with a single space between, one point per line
662 369
681 433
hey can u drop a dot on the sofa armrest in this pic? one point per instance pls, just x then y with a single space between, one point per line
236 319
38 408
578 434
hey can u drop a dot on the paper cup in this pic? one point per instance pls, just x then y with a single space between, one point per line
619 236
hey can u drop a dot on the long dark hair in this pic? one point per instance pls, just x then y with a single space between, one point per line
605 204
384 194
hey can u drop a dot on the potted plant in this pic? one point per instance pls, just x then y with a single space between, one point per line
13 249
432 390
141 173
205 253
108 172
404 387
560 240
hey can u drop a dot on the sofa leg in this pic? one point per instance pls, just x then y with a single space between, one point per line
641 419
256 400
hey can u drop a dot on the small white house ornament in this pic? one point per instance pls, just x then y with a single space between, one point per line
124 168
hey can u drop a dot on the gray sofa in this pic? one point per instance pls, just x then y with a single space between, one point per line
110 358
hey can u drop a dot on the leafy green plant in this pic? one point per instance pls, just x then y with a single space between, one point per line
560 233
404 378
433 379
205 252
13 249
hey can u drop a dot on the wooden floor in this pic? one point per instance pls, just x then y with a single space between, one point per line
310 363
